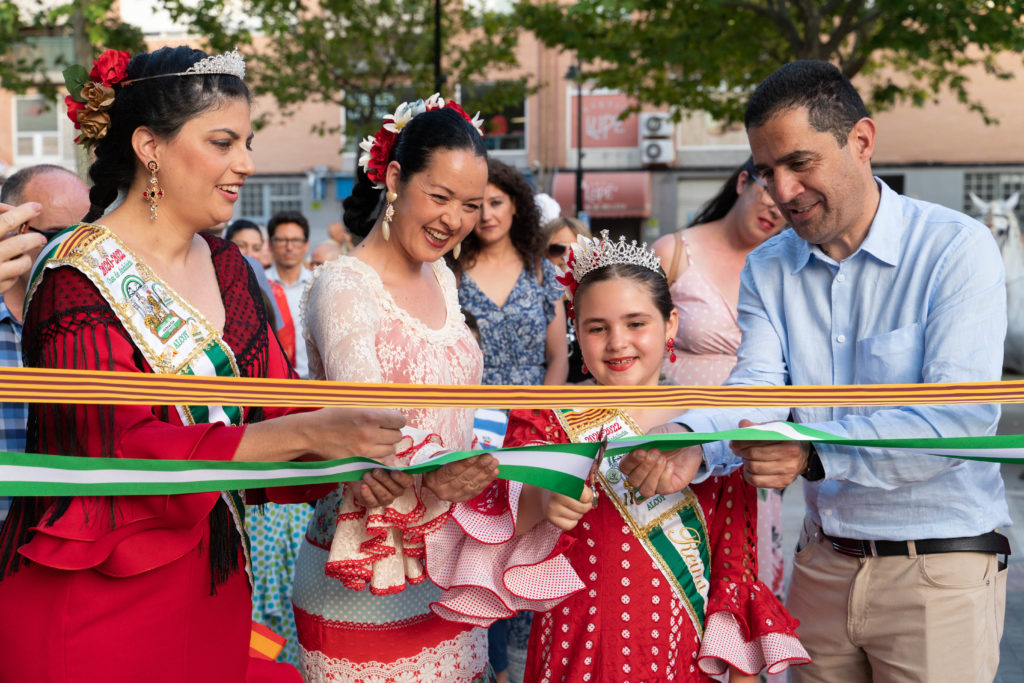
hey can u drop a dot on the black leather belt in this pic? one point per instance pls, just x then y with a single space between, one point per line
992 542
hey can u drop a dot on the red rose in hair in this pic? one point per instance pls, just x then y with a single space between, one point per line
74 106
111 67
383 141
452 104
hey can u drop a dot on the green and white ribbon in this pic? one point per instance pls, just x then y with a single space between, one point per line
562 468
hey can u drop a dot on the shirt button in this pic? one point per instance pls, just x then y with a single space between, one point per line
840 278
841 339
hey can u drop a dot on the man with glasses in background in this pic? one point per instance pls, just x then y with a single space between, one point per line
65 200
289 242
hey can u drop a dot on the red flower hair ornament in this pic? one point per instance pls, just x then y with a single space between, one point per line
92 94
377 147
111 67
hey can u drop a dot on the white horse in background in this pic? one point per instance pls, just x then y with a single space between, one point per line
999 217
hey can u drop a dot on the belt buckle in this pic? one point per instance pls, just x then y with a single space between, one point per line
874 550
848 549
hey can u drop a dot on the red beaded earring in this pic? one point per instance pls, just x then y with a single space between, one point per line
671 350
583 367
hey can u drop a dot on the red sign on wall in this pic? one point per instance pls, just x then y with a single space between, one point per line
602 126
616 194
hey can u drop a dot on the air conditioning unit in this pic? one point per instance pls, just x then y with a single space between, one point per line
655 126
657 151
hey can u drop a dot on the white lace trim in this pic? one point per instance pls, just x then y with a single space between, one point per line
445 335
462 659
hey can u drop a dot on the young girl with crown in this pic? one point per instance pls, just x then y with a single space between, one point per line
671 581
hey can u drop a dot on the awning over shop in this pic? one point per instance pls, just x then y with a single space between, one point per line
615 194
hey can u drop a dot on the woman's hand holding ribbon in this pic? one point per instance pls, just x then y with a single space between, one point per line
464 479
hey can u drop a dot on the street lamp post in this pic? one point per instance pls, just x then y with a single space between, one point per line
438 78
576 73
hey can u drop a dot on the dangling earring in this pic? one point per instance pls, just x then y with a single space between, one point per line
583 367
457 250
389 214
154 193
670 345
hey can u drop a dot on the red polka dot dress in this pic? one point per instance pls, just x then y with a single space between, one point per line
628 624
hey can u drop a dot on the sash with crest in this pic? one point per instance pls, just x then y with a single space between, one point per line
671 528
174 337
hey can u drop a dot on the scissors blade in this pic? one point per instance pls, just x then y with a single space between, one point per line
599 456
604 445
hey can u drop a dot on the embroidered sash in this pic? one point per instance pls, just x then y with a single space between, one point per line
671 528
172 336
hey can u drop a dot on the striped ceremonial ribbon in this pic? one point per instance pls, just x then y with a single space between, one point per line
559 467
36 385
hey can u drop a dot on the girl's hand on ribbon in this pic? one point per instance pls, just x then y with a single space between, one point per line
653 472
381 487
463 479
565 512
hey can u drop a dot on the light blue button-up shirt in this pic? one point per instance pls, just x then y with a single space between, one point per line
12 415
921 300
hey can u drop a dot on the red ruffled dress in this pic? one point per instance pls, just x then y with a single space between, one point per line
627 624
130 588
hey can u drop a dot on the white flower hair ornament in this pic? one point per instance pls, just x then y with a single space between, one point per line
588 254
377 147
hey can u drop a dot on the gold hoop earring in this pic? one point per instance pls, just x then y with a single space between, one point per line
154 193
389 214
457 250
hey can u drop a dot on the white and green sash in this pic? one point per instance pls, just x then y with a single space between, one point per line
174 337
671 528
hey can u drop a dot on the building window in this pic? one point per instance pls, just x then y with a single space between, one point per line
261 199
362 119
990 186
502 106
37 134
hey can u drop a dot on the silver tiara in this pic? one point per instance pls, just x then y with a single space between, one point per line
590 254
229 64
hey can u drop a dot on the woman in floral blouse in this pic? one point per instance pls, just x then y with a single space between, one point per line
507 284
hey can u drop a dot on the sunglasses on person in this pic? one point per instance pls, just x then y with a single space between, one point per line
557 250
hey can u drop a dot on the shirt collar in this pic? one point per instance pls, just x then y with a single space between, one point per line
883 239
5 313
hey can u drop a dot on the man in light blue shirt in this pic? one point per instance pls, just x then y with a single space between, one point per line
897 574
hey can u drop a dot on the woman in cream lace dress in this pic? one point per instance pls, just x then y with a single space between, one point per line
366 603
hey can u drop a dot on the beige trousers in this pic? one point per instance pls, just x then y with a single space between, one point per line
926 618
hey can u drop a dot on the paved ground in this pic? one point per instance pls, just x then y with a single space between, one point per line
1011 665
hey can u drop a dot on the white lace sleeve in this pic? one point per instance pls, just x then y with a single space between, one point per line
341 318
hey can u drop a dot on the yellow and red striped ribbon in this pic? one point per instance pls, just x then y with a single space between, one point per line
37 385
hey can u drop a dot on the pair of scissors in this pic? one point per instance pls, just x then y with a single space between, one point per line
598 458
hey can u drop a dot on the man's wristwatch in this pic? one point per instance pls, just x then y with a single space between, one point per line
814 470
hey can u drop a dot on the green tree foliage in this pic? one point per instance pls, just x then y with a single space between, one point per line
363 55
38 40
708 54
